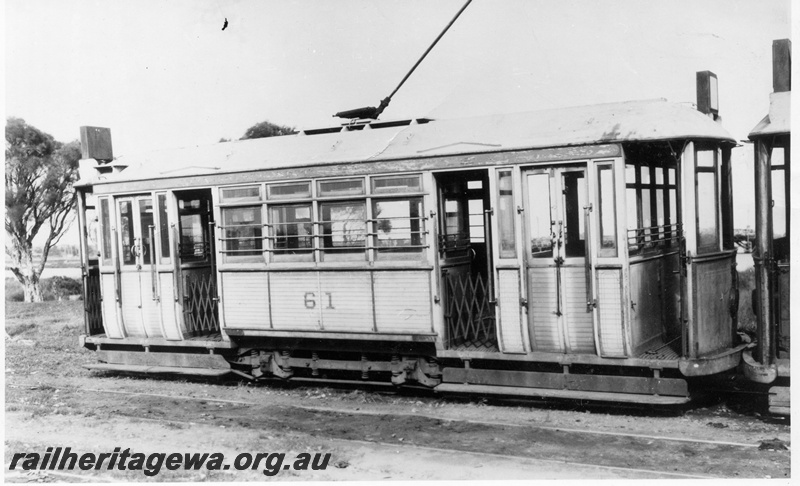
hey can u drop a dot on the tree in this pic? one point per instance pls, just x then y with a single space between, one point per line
40 172
266 129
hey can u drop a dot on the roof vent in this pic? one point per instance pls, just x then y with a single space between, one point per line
708 94
96 144
781 65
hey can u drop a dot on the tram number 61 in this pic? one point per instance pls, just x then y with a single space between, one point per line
310 302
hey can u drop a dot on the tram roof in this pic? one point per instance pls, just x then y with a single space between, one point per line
650 120
777 122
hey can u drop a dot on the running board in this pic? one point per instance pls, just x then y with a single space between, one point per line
161 363
157 369
568 394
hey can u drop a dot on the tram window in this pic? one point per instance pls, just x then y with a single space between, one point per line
632 204
630 174
92 224
240 194
242 234
505 221
779 214
660 206
673 205
147 220
706 158
193 239
395 184
452 211
292 190
126 232
607 217
105 231
292 233
476 230
344 187
778 202
646 215
163 228
539 217
706 201
574 197
399 228
344 230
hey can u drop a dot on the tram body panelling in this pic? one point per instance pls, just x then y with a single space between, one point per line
489 255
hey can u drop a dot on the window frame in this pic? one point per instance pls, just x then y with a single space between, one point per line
316 255
716 247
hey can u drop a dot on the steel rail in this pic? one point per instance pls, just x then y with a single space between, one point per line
429 416
460 452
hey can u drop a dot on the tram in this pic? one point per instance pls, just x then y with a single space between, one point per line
583 253
769 362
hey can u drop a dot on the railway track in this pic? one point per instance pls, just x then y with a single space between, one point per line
624 452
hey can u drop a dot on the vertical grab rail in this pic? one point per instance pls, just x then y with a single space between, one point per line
559 260
153 273
487 231
590 301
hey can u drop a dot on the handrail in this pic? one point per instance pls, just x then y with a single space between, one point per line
153 273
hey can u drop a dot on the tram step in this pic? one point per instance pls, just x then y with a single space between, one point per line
157 369
168 360
583 383
568 394
779 400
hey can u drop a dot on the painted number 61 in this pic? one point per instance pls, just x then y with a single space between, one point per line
309 299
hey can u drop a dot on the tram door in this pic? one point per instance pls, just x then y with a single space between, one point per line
465 261
559 269
196 262
138 279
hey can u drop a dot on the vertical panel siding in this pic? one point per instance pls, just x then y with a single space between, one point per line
110 317
713 321
346 301
245 298
403 301
508 303
542 307
131 300
168 314
151 310
671 271
646 304
579 323
295 300
609 310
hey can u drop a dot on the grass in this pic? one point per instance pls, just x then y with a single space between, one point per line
44 338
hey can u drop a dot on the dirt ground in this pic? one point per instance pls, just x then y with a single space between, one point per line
52 401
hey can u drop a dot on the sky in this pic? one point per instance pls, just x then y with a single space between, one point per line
163 73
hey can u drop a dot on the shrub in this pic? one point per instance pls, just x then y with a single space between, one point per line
14 291
54 288
58 288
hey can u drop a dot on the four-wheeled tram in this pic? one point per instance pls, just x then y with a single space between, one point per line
768 362
582 252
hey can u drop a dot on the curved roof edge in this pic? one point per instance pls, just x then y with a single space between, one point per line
779 119
650 120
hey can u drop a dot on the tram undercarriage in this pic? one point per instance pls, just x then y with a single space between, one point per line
656 378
